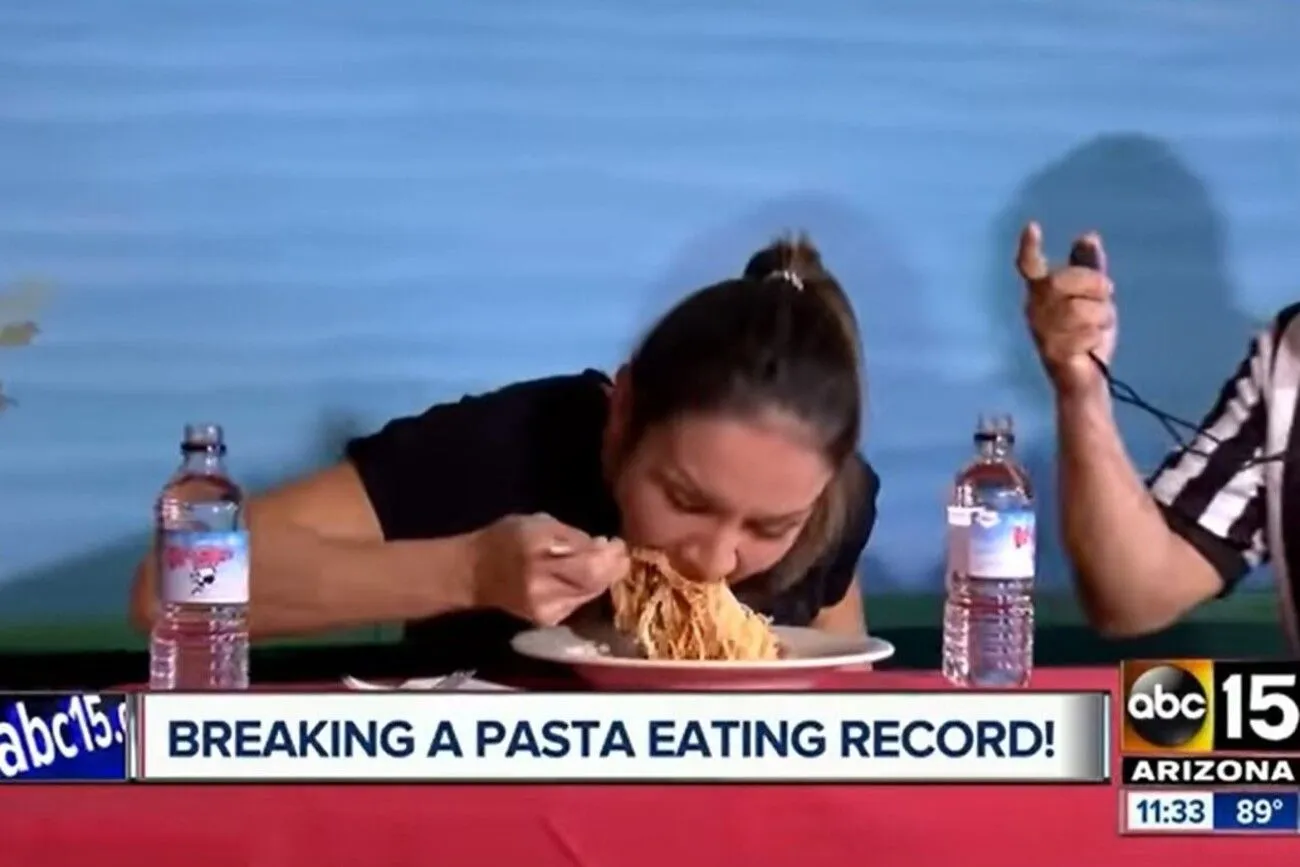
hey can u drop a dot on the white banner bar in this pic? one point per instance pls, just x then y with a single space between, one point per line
608 737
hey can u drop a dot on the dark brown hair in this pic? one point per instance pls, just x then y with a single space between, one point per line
782 336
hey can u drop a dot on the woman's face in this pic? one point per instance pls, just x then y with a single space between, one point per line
721 496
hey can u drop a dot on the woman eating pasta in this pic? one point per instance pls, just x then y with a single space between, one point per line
713 479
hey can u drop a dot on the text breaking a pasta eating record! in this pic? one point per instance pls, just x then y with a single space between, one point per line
691 737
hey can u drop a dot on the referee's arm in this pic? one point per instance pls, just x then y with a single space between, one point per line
1146 555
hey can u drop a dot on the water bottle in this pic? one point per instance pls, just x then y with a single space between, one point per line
988 617
200 636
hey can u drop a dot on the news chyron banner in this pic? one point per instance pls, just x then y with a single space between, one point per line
1210 746
913 737
61 737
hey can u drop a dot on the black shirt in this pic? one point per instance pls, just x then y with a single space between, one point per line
527 448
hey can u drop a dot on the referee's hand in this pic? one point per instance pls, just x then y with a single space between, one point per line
1071 311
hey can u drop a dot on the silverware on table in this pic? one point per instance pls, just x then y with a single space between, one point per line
445 683
453 681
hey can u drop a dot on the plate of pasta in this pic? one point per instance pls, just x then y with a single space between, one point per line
670 632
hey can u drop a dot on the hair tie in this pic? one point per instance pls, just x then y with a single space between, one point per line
788 276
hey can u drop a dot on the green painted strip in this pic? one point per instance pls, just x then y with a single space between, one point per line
886 613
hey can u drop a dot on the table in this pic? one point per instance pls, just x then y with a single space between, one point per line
606 826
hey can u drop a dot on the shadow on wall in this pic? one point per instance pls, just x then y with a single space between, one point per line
910 405
94 585
1180 333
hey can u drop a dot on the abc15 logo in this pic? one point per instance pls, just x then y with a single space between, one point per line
1201 706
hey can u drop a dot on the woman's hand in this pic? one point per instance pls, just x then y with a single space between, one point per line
534 567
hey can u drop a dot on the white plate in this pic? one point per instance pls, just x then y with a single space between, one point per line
607 659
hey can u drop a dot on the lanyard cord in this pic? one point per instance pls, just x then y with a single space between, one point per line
1084 255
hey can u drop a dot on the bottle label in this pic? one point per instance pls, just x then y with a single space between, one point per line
204 568
983 543
1001 544
959 521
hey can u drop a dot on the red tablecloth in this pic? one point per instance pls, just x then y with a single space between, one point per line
605 826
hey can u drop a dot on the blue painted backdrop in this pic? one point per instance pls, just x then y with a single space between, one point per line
300 219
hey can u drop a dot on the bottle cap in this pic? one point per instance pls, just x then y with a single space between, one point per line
995 426
203 437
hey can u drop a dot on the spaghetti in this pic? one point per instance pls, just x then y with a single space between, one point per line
674 618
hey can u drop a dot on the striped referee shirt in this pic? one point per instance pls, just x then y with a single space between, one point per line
1226 494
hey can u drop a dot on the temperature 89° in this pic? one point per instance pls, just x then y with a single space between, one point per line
1258 811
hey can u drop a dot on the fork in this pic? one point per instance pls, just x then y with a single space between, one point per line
443 684
453 681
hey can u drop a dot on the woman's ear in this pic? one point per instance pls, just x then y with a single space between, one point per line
620 408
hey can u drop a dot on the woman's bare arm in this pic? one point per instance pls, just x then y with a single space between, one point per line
319 562
846 617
